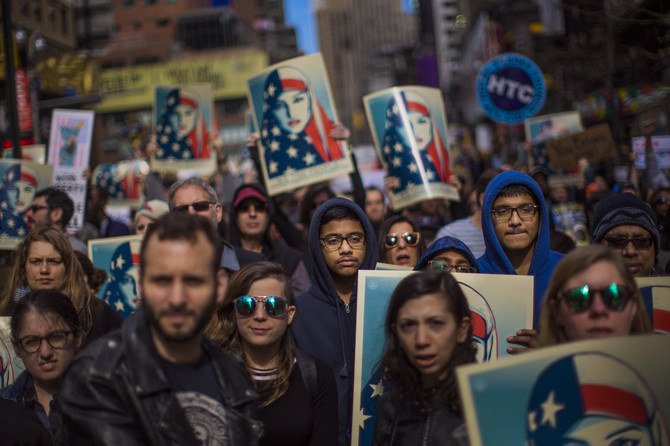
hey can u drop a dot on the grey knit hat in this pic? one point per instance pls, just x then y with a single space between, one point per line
624 209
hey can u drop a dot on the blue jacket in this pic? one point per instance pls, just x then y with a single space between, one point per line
496 261
324 326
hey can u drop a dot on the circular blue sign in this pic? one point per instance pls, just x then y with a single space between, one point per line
510 88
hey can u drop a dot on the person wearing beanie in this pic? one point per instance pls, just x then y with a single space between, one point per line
628 225
150 211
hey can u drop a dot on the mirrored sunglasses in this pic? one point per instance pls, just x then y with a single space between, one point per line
411 238
615 297
275 306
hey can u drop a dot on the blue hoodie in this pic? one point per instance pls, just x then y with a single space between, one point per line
443 244
324 326
496 261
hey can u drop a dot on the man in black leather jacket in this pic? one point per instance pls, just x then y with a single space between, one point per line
158 380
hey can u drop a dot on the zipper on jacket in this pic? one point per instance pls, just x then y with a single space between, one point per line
347 309
425 432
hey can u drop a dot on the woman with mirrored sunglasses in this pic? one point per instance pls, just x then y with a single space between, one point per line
298 395
46 334
400 241
591 295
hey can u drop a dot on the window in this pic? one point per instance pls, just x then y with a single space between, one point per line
37 7
65 29
150 2
162 22
128 3
137 25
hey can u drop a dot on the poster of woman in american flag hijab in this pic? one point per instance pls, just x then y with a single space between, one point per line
123 181
183 118
409 128
19 180
292 106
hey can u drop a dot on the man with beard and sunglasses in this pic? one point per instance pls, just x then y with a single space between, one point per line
628 225
158 380
515 222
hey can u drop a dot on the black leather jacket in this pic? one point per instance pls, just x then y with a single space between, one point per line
412 425
115 393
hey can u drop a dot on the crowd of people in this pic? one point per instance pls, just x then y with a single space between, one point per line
246 328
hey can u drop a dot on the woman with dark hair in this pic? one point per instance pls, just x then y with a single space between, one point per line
428 335
45 260
400 241
46 335
298 393
591 295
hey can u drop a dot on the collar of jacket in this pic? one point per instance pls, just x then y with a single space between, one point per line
149 378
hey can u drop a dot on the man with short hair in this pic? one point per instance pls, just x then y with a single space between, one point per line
249 227
515 222
375 206
196 196
54 208
341 242
627 224
158 380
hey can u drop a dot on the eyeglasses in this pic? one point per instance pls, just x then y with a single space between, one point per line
615 297
333 242
620 242
411 238
198 206
56 339
439 265
661 200
275 306
37 207
259 206
525 212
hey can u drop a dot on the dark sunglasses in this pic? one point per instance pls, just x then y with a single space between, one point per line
621 242
615 297
275 306
36 207
411 238
198 206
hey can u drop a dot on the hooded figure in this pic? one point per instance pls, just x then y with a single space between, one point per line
444 244
275 250
325 326
181 131
495 259
121 289
17 191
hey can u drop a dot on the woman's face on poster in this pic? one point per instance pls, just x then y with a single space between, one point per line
128 284
605 431
293 110
21 195
422 130
183 119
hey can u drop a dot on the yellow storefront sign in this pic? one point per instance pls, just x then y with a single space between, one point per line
132 88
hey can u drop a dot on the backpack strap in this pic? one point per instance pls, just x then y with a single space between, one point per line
307 371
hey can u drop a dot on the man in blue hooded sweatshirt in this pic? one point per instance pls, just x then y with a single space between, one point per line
515 223
341 241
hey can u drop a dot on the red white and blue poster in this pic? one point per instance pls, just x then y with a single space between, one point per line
293 109
409 128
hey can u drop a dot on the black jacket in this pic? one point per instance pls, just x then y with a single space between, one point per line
412 425
115 393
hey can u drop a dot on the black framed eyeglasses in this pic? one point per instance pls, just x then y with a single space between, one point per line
620 242
525 212
332 242
56 339
439 265
275 306
614 296
37 207
198 206
411 238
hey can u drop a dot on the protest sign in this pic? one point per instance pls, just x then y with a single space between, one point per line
19 180
556 125
660 145
595 144
510 88
119 257
499 304
123 182
409 129
69 153
293 109
656 295
184 123
609 391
